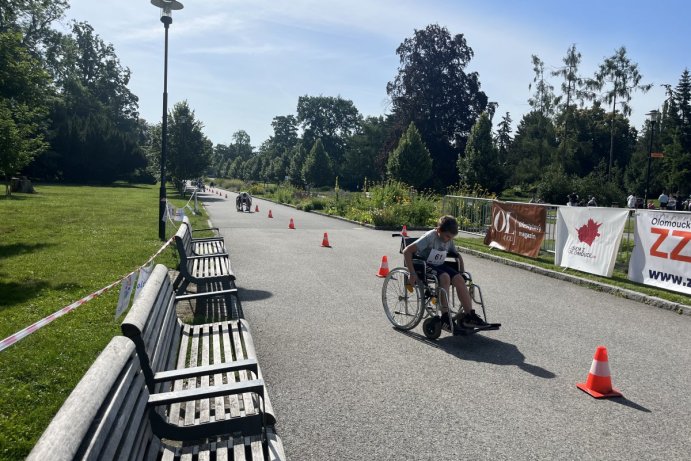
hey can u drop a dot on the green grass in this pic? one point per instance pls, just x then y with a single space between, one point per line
57 246
546 261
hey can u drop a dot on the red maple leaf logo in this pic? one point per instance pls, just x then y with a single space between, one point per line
589 232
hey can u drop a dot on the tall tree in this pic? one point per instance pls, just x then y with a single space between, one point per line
480 164
317 170
23 107
571 88
503 138
411 162
189 151
433 90
331 119
619 77
543 100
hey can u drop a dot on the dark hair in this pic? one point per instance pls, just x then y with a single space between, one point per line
448 224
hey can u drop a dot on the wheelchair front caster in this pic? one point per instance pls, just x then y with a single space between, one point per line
431 327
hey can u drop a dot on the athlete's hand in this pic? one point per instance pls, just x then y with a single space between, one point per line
412 279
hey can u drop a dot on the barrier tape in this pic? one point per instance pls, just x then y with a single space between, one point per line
12 339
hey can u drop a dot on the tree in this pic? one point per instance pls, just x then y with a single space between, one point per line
410 162
503 139
362 152
433 90
331 119
532 148
623 79
571 88
296 163
317 170
480 165
543 101
285 133
189 151
22 106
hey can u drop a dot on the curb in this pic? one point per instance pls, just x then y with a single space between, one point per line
654 301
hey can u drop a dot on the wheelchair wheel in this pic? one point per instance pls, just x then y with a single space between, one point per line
403 305
431 327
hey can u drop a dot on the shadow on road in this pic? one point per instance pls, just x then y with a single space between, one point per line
211 198
628 403
479 348
246 294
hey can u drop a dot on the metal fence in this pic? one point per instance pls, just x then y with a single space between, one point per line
474 215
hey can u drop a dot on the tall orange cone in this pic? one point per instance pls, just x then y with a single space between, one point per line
270 215
384 267
404 232
325 241
256 208
599 383
292 224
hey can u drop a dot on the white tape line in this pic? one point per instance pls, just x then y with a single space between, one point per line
12 339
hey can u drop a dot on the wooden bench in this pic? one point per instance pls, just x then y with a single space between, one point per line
192 356
111 415
209 273
205 245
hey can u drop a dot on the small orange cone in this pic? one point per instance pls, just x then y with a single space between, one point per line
256 208
270 215
292 224
384 267
325 241
404 232
599 383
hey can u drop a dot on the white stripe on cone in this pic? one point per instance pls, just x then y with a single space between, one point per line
599 368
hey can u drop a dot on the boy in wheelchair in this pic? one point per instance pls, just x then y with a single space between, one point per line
433 248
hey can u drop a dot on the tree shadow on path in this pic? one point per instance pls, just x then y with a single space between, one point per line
479 348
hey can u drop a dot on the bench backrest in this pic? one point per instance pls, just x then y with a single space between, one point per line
105 416
183 242
152 324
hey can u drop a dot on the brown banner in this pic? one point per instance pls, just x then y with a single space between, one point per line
517 228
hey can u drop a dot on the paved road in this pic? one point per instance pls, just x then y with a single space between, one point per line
347 386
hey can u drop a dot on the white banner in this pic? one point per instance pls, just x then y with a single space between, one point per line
144 274
125 294
662 253
588 238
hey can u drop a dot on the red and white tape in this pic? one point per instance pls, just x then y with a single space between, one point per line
12 339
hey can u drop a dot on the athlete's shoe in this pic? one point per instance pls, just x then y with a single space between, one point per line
472 320
445 321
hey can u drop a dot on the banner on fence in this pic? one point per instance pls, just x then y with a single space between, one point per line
125 293
517 228
144 274
662 252
588 238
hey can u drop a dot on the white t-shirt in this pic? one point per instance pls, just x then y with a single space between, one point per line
431 245
631 201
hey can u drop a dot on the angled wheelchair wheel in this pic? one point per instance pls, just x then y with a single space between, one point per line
431 327
403 304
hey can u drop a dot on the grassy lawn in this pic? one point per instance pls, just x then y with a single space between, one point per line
57 246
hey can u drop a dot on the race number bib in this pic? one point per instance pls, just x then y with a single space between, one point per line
436 257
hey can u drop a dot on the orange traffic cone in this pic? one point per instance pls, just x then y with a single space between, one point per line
325 241
599 383
384 267
292 224
256 208
404 232
270 215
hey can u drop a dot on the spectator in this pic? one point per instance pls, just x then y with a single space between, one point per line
671 203
573 199
631 200
592 201
663 199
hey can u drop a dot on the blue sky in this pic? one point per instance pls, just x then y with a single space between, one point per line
239 63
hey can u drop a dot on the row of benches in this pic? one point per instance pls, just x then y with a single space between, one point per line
169 390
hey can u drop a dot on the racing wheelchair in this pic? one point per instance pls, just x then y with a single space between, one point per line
406 305
243 202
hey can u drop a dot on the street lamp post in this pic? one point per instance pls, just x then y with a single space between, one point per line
652 117
167 7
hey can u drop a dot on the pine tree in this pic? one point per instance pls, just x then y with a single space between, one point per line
480 166
317 170
410 162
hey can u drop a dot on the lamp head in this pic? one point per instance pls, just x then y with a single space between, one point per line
167 7
652 115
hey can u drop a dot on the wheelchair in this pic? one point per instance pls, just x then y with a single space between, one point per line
406 305
243 202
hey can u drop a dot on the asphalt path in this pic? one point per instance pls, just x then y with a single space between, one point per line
345 385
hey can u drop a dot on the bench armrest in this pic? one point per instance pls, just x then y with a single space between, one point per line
171 375
208 294
167 398
207 239
207 229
